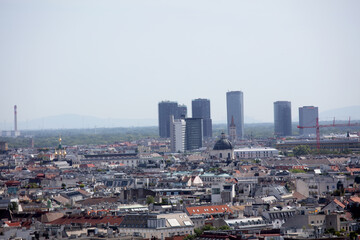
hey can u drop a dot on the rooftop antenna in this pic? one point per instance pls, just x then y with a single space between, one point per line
15 118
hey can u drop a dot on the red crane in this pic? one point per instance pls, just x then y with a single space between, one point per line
317 126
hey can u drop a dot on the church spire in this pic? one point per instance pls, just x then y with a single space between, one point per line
232 124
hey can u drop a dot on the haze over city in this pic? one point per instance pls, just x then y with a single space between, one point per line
117 60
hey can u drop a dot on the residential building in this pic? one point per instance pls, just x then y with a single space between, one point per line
177 134
159 226
235 109
3 146
222 192
252 153
282 118
201 109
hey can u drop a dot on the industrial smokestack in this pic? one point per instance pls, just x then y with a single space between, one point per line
15 118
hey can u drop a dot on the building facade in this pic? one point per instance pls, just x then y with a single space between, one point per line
194 133
282 118
177 134
166 109
235 109
251 153
307 118
201 109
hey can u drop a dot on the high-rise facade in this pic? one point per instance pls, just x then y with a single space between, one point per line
232 130
201 109
282 118
181 111
193 133
166 109
307 118
177 134
235 109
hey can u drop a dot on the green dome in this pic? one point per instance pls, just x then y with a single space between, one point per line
223 143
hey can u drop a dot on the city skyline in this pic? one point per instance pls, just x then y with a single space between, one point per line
67 121
107 59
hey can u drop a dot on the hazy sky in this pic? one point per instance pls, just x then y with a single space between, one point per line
118 59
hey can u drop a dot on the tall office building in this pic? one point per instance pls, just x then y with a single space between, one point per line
282 118
166 109
193 133
201 109
181 111
307 118
177 134
235 109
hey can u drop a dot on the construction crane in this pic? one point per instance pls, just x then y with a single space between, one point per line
317 127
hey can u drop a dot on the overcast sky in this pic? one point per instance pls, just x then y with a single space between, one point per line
118 59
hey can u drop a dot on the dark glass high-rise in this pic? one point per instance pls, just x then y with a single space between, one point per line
201 109
282 118
166 109
235 109
193 133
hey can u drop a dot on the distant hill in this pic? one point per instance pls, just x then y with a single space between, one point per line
74 121
341 113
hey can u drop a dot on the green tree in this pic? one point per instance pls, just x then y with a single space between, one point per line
225 227
301 150
198 231
13 206
165 201
295 170
32 185
150 199
353 235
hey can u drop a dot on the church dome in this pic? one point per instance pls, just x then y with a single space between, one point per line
223 143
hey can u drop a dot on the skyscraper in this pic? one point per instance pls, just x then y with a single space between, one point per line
177 134
193 133
282 118
201 109
181 112
307 118
166 109
235 109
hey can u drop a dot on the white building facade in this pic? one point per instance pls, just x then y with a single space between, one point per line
177 134
246 153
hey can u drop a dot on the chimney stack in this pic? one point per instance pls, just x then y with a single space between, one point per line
15 118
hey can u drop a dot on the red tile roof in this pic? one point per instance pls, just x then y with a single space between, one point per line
355 199
339 203
12 183
214 209
66 220
13 224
